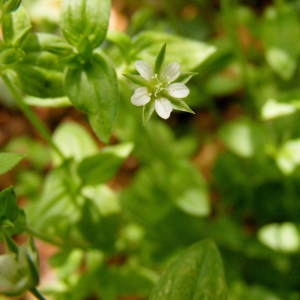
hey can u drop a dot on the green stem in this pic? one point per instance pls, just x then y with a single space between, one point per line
37 294
31 116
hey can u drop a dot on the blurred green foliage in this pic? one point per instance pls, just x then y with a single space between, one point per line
115 243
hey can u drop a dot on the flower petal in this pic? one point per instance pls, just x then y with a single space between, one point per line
163 107
140 96
170 72
178 90
144 69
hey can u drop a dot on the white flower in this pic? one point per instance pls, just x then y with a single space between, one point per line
160 88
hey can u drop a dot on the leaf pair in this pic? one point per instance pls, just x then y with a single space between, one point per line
91 84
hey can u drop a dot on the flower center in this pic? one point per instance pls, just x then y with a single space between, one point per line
158 86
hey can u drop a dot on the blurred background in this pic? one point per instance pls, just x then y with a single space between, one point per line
229 172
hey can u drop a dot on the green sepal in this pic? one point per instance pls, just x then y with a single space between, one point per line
186 77
39 82
160 59
41 42
148 110
137 79
180 105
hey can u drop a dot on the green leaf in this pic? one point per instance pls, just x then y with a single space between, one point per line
196 274
126 279
40 82
274 109
288 156
85 21
59 206
160 59
8 161
74 141
93 88
281 62
189 190
8 205
189 53
161 188
244 137
16 26
239 291
99 231
283 237
12 218
103 166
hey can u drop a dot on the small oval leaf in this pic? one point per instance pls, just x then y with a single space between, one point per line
195 274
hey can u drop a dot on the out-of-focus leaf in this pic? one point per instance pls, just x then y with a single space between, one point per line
8 161
8 205
160 189
197 273
47 102
240 290
243 136
125 280
288 156
274 109
281 62
99 231
34 151
74 142
59 206
101 167
40 82
283 237
189 53
189 190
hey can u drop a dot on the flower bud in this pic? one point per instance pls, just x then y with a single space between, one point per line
18 272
